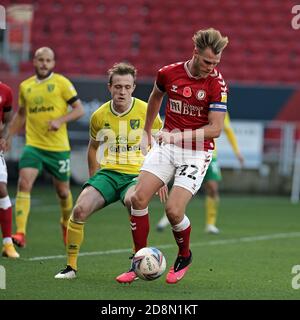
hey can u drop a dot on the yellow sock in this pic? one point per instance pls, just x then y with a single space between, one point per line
22 210
211 208
66 206
74 241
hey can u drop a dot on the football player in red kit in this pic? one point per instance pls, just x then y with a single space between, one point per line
8 249
195 112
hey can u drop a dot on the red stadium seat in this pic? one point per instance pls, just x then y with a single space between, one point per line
153 33
26 67
4 66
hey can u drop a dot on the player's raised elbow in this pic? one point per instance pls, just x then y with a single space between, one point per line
78 110
81 111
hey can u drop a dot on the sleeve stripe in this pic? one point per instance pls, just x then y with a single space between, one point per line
72 100
219 106
218 109
217 103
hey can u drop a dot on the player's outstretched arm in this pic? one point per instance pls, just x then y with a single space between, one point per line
76 113
4 134
17 122
234 144
154 103
214 127
93 161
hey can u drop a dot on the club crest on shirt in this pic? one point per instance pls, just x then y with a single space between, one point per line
187 92
134 123
201 94
50 87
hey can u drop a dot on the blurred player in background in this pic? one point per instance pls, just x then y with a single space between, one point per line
8 249
43 106
194 117
117 125
211 184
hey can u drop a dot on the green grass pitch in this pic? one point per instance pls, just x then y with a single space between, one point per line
252 257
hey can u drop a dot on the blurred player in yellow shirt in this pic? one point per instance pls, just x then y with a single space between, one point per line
211 184
213 177
116 126
43 107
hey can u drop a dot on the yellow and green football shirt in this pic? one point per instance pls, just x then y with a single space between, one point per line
46 100
121 135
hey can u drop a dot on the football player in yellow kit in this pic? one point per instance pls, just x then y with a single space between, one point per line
43 107
117 128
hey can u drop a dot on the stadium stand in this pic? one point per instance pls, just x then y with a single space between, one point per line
4 66
153 33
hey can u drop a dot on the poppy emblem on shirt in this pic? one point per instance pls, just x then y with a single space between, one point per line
187 92
200 94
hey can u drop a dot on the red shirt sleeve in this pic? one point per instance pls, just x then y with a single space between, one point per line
219 92
9 99
161 79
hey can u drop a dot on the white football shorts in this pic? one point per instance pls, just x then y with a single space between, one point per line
188 167
3 169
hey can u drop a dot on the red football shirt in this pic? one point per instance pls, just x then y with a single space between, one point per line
191 98
5 99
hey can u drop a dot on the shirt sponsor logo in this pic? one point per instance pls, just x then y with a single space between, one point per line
41 109
201 94
188 109
175 106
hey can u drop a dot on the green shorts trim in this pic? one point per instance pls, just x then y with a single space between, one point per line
57 163
213 171
111 184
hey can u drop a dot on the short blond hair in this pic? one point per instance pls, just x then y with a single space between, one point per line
210 38
121 68
44 50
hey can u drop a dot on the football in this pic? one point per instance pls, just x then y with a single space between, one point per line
149 263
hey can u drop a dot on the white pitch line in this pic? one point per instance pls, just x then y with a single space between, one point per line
167 246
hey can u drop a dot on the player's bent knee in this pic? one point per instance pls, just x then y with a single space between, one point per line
138 200
3 190
174 214
24 185
63 193
79 214
127 203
